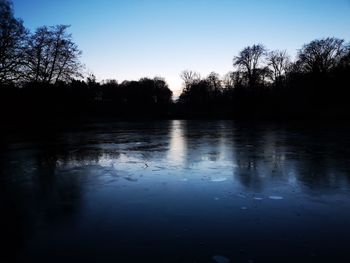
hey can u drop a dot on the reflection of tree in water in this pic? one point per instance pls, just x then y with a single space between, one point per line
248 154
323 161
261 155
32 194
57 195
85 157
316 159
34 191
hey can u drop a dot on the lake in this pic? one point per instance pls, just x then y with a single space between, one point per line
176 191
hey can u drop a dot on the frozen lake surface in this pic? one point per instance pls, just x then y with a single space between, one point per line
176 191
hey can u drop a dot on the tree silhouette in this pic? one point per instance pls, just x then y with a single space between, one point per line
250 61
322 55
215 83
279 62
189 77
12 40
52 56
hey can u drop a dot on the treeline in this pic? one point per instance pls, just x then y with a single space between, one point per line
267 84
41 78
146 98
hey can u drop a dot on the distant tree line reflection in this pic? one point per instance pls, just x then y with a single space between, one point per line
41 78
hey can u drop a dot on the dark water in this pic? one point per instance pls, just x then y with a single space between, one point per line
176 191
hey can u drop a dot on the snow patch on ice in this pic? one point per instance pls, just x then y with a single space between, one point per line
275 197
218 179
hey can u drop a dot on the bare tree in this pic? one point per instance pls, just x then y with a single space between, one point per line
190 77
322 55
250 61
12 41
279 62
52 56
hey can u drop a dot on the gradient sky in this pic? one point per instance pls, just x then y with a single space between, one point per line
130 39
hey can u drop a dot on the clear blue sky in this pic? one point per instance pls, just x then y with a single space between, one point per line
129 39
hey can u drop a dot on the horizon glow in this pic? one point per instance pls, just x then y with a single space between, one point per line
130 39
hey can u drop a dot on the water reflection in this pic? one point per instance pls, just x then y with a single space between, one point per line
177 146
176 179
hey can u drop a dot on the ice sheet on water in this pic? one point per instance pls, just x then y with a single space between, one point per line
258 198
275 197
221 259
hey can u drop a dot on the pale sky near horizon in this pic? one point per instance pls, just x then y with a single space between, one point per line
130 39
